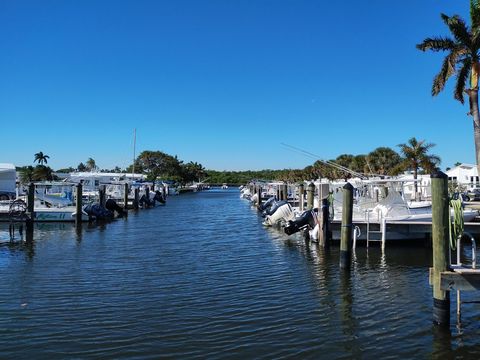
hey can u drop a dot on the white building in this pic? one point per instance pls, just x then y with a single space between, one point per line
465 175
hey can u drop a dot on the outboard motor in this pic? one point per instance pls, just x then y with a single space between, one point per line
159 197
254 199
145 202
267 204
308 219
98 212
112 206
283 212
274 207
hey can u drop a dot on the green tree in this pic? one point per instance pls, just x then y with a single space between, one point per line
26 174
91 165
42 172
156 164
462 61
81 167
383 160
416 156
66 170
41 158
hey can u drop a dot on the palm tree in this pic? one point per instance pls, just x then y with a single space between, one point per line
26 174
382 160
416 156
41 158
91 165
463 61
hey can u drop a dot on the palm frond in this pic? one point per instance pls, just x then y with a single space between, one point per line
437 44
447 70
462 77
475 16
459 29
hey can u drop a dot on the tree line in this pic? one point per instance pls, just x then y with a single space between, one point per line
413 156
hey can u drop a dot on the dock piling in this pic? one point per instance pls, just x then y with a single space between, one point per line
135 200
346 232
324 224
259 192
31 200
440 244
310 193
101 195
285 191
78 205
301 196
125 198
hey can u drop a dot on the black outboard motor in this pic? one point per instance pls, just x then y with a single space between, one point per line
98 212
275 207
159 197
112 206
267 204
307 219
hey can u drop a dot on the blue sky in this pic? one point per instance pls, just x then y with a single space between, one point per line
223 82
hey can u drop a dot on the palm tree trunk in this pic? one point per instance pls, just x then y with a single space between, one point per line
473 97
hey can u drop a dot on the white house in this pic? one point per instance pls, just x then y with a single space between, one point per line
465 175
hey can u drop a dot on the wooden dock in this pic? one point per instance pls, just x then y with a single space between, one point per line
401 230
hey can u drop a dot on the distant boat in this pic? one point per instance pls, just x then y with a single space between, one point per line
224 186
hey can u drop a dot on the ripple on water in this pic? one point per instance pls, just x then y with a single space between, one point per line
201 277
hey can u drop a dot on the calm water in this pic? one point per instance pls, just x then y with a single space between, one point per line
201 278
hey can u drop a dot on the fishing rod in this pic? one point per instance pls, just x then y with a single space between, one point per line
326 162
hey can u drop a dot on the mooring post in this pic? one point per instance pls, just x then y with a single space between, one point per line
440 244
346 233
31 200
324 224
285 191
147 195
78 205
259 192
125 197
101 195
310 194
135 199
301 196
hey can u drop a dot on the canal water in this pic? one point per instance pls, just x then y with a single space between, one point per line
201 278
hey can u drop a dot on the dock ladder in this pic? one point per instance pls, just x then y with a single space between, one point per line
382 231
463 270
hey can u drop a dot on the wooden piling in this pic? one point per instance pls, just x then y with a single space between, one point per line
31 200
78 205
101 195
310 194
147 195
135 200
324 224
125 197
301 196
285 191
440 239
259 192
346 232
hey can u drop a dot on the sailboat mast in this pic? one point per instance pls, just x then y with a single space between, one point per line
134 144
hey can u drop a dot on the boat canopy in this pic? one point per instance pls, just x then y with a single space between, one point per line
8 177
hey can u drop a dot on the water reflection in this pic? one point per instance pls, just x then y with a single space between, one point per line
442 343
